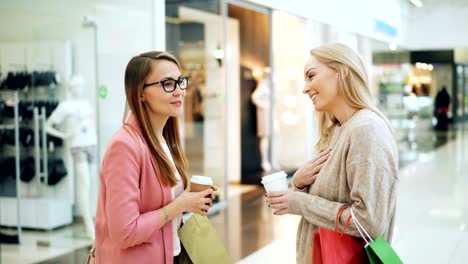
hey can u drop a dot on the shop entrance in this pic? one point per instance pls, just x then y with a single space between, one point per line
462 92
255 90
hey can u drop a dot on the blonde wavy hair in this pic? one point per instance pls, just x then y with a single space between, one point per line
353 85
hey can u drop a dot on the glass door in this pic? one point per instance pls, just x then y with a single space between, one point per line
465 93
292 110
194 33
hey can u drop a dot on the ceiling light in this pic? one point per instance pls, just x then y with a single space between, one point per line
417 3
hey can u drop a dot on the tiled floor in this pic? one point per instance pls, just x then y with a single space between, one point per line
59 242
66 245
432 214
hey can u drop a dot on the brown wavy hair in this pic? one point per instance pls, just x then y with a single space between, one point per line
138 69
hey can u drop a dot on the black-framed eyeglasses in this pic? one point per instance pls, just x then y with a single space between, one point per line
169 85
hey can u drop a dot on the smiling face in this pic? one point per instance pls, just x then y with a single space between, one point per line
158 102
321 85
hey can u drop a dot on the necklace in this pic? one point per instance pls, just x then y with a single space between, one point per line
349 117
334 137
337 131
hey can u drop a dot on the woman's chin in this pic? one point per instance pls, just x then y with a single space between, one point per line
319 108
176 114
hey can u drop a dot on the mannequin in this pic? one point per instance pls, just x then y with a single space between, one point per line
75 116
261 98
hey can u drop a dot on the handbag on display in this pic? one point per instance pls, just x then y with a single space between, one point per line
57 171
378 250
201 243
335 247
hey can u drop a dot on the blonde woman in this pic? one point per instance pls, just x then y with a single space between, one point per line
357 161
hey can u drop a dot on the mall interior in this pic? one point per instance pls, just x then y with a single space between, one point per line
229 49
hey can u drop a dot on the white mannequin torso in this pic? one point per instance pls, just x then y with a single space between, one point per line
79 120
261 98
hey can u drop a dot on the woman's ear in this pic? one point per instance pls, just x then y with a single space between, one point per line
345 71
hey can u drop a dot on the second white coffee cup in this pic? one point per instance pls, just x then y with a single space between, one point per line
275 182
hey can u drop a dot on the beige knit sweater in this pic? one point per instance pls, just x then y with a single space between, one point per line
362 172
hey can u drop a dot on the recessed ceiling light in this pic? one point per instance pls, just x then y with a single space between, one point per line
417 3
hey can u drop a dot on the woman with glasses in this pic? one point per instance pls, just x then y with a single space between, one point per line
144 170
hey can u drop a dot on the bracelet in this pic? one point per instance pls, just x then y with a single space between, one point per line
166 216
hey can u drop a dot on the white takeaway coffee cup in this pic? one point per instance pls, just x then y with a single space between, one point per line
200 183
275 182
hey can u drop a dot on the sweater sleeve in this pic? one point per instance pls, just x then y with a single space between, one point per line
120 173
373 195
371 179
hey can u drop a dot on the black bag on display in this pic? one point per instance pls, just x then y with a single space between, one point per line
8 137
17 81
26 109
57 171
50 107
9 239
2 133
8 168
27 169
2 165
8 111
8 82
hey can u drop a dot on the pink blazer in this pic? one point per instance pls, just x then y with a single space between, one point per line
130 197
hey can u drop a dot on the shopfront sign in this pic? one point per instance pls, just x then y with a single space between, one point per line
384 28
103 91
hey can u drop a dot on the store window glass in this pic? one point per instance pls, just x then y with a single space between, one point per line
292 109
46 60
462 86
52 53
194 33
465 93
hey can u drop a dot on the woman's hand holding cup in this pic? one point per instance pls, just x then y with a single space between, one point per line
278 201
196 202
201 184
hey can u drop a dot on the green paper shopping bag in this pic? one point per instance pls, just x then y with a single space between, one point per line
378 250
201 243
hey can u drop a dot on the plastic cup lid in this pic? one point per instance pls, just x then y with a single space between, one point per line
204 180
274 177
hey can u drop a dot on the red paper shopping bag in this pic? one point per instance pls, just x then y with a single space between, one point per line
334 247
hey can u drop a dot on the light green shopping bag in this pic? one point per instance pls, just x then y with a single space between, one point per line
201 243
378 250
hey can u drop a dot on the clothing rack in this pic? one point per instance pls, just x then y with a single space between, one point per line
43 206
17 166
